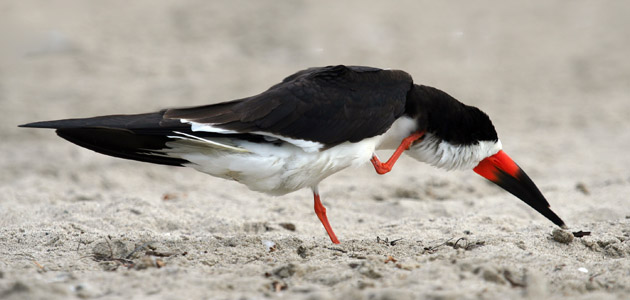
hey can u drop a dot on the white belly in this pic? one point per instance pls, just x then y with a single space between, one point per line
281 169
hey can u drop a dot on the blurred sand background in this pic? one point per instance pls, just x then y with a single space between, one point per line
553 76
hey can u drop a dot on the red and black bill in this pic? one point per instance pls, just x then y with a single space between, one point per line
504 172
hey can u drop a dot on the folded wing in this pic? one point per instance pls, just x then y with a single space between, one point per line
310 109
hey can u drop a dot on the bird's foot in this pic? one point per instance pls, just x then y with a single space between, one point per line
382 168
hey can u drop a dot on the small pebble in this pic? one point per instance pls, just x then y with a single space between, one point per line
288 226
302 251
269 245
285 271
562 236
581 187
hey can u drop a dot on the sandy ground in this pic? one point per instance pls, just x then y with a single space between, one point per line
554 77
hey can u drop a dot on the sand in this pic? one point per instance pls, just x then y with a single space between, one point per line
553 76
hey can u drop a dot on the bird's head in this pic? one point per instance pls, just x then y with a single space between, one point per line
463 137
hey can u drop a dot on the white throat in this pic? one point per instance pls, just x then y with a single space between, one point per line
442 154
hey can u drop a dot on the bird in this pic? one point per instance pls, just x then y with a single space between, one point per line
316 122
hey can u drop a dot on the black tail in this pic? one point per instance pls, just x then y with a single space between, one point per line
138 137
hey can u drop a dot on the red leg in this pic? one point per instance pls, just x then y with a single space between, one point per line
382 168
320 210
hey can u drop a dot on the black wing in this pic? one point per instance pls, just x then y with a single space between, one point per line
330 105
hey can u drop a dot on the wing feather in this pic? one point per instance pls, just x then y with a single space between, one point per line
329 105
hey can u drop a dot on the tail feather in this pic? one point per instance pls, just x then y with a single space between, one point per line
139 137
122 143
145 123
149 137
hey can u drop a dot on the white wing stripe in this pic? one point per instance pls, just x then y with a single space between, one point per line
219 145
308 146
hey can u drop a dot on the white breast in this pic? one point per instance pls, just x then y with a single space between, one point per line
401 128
442 154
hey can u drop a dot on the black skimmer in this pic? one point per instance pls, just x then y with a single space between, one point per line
311 125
